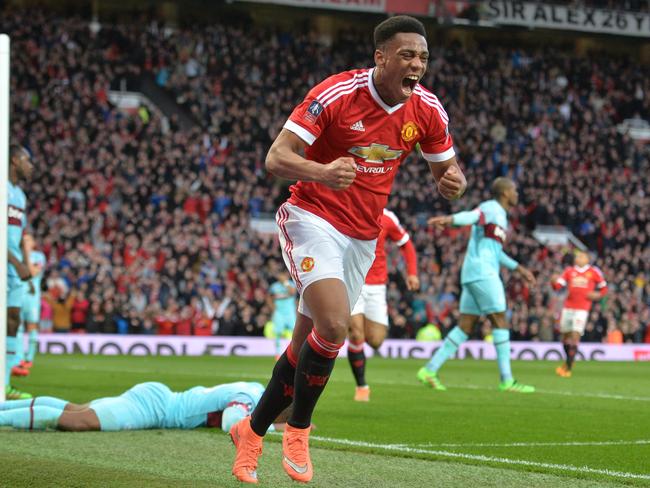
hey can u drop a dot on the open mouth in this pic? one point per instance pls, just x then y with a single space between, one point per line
408 83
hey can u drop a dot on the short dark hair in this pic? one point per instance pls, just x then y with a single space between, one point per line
16 150
395 25
500 185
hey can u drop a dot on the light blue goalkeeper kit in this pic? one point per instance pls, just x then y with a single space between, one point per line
17 221
146 406
483 291
31 306
284 315
16 211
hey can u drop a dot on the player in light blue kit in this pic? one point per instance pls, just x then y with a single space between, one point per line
30 312
145 406
20 169
482 288
283 293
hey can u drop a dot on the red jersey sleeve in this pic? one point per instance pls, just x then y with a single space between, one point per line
312 116
396 233
437 144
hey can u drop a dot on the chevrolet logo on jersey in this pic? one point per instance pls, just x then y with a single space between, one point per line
375 153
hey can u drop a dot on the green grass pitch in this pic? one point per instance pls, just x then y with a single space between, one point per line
592 430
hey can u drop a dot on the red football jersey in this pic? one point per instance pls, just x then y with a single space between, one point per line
345 116
579 282
392 230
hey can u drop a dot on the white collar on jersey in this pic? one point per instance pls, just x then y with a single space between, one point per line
582 269
375 95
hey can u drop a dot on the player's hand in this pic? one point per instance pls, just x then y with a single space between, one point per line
28 242
593 296
412 283
452 185
340 173
527 275
554 278
440 222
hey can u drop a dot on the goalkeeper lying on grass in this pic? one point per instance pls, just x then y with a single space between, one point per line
145 406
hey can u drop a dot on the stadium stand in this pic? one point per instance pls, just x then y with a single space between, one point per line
147 230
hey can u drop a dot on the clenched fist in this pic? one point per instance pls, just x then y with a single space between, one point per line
340 173
452 184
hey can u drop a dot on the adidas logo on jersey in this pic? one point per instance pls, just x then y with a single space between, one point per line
358 126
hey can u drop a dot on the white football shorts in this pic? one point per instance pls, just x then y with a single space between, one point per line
573 320
314 250
372 304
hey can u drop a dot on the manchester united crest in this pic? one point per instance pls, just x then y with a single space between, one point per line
307 264
410 131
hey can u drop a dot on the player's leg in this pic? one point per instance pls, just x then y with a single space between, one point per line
328 304
43 401
247 434
79 421
469 314
31 418
32 342
501 337
14 297
19 369
356 354
567 329
278 327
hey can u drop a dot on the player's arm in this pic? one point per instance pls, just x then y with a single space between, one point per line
459 219
21 268
285 160
510 263
411 259
449 178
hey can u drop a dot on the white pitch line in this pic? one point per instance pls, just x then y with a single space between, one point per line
487 459
533 444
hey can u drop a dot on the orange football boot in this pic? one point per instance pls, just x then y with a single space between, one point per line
295 450
362 394
249 447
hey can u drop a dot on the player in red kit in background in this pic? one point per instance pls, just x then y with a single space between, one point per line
369 321
354 129
585 284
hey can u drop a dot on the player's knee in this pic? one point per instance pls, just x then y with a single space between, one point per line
356 334
334 328
375 338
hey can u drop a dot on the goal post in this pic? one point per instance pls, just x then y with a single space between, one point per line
4 177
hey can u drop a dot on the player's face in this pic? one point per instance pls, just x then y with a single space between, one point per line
513 195
401 63
23 164
581 259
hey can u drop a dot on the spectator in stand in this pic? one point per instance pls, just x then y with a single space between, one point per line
131 198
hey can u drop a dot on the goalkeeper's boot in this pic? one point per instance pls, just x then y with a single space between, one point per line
431 379
12 393
515 387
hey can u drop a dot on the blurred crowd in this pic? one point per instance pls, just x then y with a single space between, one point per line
147 230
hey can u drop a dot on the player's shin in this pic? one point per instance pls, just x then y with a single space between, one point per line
10 358
278 394
43 401
501 339
570 350
31 418
357 359
448 349
32 346
315 364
